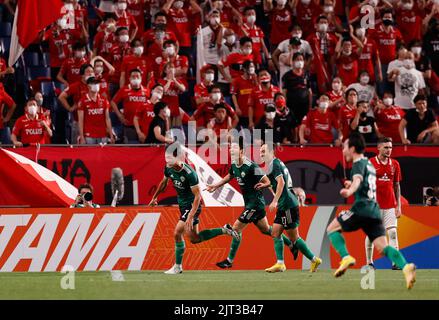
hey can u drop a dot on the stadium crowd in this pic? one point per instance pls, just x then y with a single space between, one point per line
128 71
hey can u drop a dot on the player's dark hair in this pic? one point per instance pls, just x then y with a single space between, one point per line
85 186
297 54
135 42
170 41
384 140
241 143
215 86
160 14
118 30
362 102
157 85
357 141
159 106
346 95
219 106
244 40
419 97
248 8
321 17
84 67
78 46
109 15
246 64
135 70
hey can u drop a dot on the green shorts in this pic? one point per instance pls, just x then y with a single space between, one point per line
372 227
184 212
289 219
251 215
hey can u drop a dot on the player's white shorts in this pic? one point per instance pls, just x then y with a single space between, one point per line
389 218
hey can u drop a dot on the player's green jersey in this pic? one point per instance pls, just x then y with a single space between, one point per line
288 199
365 197
183 181
248 175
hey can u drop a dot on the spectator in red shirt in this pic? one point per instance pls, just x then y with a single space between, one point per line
136 60
4 69
119 50
235 60
136 8
94 116
181 20
242 89
260 97
230 17
132 97
153 38
102 72
69 72
106 38
348 112
145 113
409 20
201 90
336 96
281 17
30 128
219 126
44 113
321 123
5 100
388 117
124 19
250 29
347 59
306 12
181 63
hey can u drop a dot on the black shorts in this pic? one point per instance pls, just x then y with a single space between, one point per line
372 227
289 219
184 212
251 215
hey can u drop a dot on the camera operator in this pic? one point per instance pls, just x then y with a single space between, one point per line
84 199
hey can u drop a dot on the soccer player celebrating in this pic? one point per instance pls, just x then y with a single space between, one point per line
388 175
364 213
287 205
252 180
185 182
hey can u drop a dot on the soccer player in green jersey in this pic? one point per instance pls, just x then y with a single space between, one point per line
185 181
251 180
364 213
287 205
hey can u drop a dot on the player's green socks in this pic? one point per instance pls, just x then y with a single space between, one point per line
209 234
395 256
279 249
338 243
234 248
301 245
179 251
285 239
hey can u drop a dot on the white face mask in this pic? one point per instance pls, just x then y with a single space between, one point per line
409 64
247 51
361 32
298 35
364 80
32 110
231 39
407 6
99 70
251 70
167 112
62 23
251 19
305 2
281 3
69 6
124 38
178 4
388 101
299 64
170 51
136 82
209 76
328 9
323 27
336 86
270 115
40 101
323 104
416 50
218 5
122 5
80 54
157 95
215 21
216 96
94 87
138 51
111 25
373 3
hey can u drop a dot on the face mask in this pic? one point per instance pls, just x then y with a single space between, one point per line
347 52
388 101
160 35
218 5
373 3
39 102
124 38
409 64
407 6
323 27
62 23
99 70
32 110
167 112
215 21
138 51
364 80
360 32
251 19
328 9
281 3
94 87
231 39
69 7
323 105
305 2
251 70
216 96
299 64
336 86
270 115
178 4
80 54
122 5
387 22
136 82
247 51
209 76
111 25
156 95
416 50
170 51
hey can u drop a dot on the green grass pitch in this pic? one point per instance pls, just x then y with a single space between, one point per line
222 285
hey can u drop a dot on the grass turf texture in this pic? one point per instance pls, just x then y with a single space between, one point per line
223 285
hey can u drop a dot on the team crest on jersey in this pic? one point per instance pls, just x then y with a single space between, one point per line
243 174
182 179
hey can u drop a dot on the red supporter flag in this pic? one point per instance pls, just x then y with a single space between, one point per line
30 18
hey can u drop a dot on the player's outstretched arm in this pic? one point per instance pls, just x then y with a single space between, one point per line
160 189
263 183
213 187
347 192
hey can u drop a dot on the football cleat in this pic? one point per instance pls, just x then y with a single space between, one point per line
175 269
224 264
394 267
410 274
294 250
278 267
345 263
229 230
315 264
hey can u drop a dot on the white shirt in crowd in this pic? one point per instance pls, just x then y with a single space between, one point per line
304 48
407 85
364 92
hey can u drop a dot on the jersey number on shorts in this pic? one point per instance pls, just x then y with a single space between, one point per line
185 213
372 181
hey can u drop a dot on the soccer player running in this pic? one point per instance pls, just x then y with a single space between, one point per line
251 180
364 213
388 175
287 205
185 182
